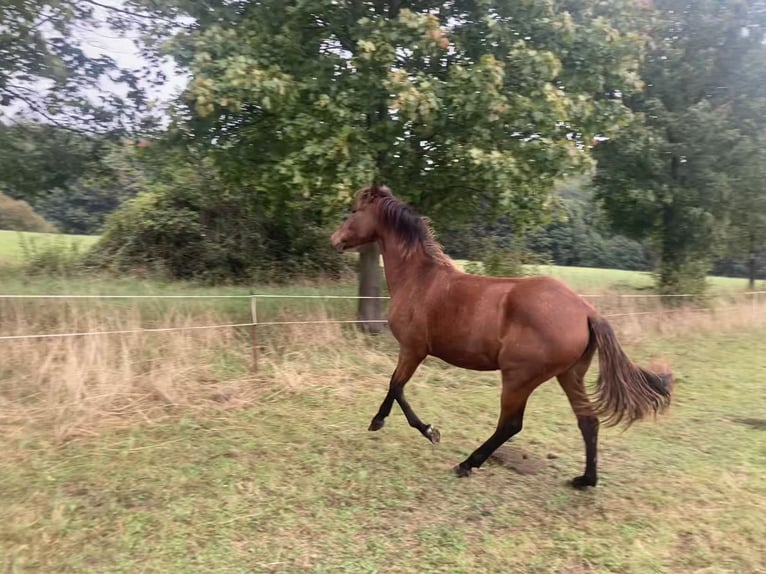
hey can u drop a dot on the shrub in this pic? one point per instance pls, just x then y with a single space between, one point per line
226 241
53 257
18 215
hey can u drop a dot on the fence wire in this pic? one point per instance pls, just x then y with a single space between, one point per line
255 324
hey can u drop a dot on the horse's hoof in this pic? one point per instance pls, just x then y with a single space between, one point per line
376 424
583 482
461 471
433 435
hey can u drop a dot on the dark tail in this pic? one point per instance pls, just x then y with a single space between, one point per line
624 391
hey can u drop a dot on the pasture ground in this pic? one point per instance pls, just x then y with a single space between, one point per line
293 482
12 243
12 255
165 454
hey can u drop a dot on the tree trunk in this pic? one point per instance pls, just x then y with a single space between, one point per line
751 271
369 286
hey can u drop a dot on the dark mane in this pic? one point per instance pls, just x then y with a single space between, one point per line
412 229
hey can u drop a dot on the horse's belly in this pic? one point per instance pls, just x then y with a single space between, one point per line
474 357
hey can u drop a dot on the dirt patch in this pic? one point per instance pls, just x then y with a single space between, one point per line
517 459
759 424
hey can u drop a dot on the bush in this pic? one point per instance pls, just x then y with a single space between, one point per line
187 221
52 257
18 215
686 278
164 235
503 263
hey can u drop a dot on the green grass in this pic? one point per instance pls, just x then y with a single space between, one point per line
297 484
12 242
588 279
12 252
584 280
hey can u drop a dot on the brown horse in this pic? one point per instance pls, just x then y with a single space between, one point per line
531 329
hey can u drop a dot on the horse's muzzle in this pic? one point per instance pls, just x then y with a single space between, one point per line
337 243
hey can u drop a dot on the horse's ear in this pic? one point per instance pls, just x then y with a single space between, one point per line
375 192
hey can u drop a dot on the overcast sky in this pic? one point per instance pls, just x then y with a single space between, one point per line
121 47
99 40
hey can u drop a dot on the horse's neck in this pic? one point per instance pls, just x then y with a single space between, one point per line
403 272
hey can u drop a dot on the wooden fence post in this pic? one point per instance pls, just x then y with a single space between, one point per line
254 321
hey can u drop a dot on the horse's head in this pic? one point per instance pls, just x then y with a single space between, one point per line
361 225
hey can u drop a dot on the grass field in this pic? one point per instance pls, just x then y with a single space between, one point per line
586 280
12 243
293 482
165 453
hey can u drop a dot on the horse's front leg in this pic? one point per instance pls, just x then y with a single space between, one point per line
405 368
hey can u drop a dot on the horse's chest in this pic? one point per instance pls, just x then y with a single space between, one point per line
406 324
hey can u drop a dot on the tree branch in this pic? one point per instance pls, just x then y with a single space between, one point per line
128 12
38 109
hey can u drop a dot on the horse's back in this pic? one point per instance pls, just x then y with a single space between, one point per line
481 323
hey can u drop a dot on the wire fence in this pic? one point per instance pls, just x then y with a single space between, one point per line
254 323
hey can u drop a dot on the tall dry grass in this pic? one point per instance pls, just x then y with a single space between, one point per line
634 319
67 384
72 385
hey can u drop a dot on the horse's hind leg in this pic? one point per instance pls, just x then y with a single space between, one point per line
405 368
573 383
513 401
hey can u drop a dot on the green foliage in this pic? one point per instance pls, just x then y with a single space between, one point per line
18 215
188 224
503 263
687 277
72 179
670 177
296 104
474 268
37 158
575 235
449 110
61 258
81 205
747 230
506 257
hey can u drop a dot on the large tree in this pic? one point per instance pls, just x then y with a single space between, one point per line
670 176
747 227
452 104
38 157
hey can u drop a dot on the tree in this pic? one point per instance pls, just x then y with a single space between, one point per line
81 205
185 222
452 104
748 205
46 72
670 175
39 157
73 179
